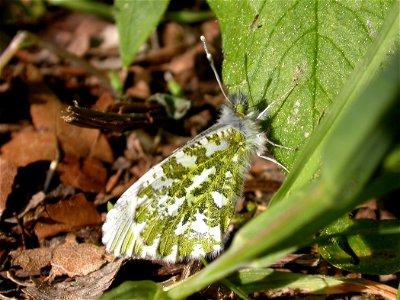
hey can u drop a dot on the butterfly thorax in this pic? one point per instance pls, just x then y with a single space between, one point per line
238 115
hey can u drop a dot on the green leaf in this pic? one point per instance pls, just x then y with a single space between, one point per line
116 82
369 253
140 290
392 162
308 162
268 43
175 107
136 20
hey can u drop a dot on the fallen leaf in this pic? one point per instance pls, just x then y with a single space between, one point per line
78 30
112 181
186 61
104 102
198 122
66 216
266 186
30 146
82 142
8 171
69 258
45 109
140 87
30 261
88 175
73 259
91 286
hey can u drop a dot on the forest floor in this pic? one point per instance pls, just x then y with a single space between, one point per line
57 177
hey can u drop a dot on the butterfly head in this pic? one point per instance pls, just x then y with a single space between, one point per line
240 104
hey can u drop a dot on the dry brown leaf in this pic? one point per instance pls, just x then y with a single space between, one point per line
30 146
112 181
266 186
186 61
173 34
30 261
45 110
211 31
69 258
8 171
140 88
88 27
88 175
66 216
73 259
91 286
83 142
68 30
198 122
105 101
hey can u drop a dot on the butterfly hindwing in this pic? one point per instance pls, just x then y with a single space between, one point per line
182 206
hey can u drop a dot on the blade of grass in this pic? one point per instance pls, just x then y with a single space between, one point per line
135 21
92 7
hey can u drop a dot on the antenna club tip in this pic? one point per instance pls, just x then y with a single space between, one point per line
202 38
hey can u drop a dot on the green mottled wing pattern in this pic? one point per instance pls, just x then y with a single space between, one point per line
182 206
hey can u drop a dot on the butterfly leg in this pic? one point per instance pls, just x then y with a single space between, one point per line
272 160
279 146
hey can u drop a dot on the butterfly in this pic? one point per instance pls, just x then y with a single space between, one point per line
182 207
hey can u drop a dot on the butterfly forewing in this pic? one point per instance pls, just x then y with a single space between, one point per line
182 207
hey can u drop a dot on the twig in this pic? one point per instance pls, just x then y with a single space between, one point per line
112 121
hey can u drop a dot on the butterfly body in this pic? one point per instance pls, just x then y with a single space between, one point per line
182 206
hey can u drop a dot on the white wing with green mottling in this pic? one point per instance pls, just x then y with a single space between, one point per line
182 207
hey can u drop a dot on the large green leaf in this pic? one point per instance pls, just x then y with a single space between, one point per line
269 43
368 252
136 20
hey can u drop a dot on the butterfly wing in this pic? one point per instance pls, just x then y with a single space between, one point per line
182 206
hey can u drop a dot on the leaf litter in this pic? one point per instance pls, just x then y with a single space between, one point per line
50 246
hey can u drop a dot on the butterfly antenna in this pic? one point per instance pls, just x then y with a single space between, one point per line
211 61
